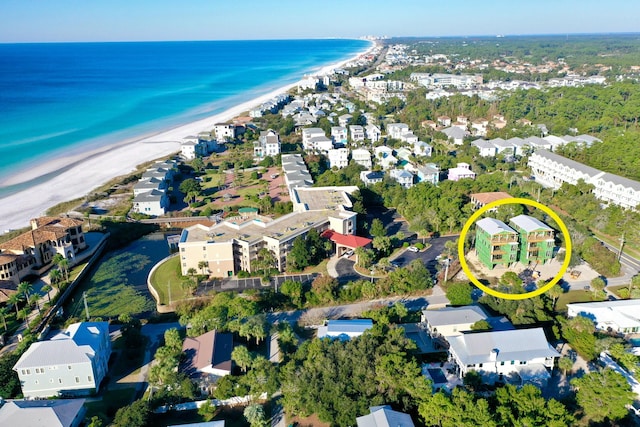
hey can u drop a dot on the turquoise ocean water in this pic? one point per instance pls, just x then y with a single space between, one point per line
57 98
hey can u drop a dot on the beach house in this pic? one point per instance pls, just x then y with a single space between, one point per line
384 416
620 316
536 239
207 354
71 363
338 157
357 133
461 171
496 243
268 144
362 157
373 133
33 250
371 177
517 355
344 329
402 177
339 135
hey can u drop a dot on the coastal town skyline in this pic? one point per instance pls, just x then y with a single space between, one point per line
70 21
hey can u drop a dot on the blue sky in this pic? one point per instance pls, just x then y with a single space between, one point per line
119 20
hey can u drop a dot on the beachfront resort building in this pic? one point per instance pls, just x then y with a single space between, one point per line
552 170
71 363
268 144
500 355
620 316
32 251
496 243
234 244
536 239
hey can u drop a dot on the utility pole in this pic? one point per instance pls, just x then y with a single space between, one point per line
621 245
86 307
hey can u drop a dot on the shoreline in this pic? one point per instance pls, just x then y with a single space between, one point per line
78 174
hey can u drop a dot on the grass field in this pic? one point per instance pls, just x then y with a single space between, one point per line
111 401
168 274
573 296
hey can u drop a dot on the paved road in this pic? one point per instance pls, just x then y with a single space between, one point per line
346 272
428 256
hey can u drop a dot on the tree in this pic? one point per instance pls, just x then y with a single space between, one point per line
365 257
597 285
603 395
46 289
255 415
554 293
481 325
451 222
242 357
202 265
14 299
173 340
298 258
293 290
135 415
578 331
95 422
382 244
377 228
197 164
565 364
459 293
265 260
191 188
64 266
25 288
4 311
55 276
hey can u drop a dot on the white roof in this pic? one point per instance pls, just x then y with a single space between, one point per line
494 226
454 315
517 344
529 223
621 313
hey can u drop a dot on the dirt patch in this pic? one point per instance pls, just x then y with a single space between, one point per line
311 421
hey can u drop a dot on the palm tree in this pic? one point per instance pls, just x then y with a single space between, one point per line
55 276
202 265
25 288
33 300
47 289
15 299
451 222
64 266
4 311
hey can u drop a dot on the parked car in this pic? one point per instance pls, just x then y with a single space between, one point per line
413 249
347 254
394 264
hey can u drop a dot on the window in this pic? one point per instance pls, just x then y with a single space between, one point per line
77 380
51 380
69 367
480 365
89 378
60 380
513 362
501 363
37 382
523 362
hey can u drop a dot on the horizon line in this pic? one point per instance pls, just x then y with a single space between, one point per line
363 38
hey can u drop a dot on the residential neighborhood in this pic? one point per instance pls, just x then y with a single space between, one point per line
300 264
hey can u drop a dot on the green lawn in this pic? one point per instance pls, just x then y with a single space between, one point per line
630 249
111 401
168 274
216 179
573 296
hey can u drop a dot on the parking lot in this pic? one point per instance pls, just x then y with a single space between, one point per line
235 284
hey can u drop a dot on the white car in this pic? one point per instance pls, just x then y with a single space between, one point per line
413 249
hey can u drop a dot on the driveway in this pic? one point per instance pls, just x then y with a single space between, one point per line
346 273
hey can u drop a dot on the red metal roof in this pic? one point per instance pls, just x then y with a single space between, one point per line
348 240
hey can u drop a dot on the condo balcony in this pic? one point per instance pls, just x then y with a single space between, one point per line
502 239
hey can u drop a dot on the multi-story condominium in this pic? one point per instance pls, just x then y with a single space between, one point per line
154 202
499 354
233 245
150 194
552 170
536 239
33 250
71 363
496 243
295 172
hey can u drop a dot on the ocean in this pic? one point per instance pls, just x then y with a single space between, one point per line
57 98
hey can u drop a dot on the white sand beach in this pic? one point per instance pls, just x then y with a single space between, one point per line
79 174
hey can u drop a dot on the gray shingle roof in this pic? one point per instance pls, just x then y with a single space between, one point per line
545 154
38 413
384 416
57 352
454 315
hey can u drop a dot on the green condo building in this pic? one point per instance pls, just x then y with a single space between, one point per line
536 239
496 243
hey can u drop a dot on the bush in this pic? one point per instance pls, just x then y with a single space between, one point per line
243 274
419 245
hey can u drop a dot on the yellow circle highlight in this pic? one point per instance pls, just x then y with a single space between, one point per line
513 201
